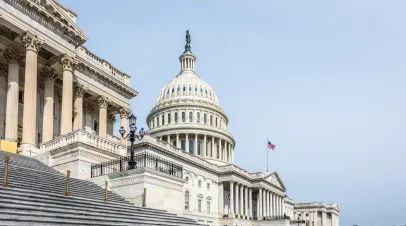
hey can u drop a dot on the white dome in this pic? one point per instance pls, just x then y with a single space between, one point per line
188 85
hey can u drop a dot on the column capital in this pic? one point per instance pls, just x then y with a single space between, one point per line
31 41
79 89
124 112
111 118
89 108
68 63
103 101
48 73
3 71
13 56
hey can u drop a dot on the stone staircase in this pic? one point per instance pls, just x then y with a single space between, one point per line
35 196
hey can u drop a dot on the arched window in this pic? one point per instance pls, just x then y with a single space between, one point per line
216 121
167 92
176 116
173 90
198 117
182 144
186 200
208 204
163 119
184 88
199 203
190 89
205 118
183 117
157 121
195 89
211 120
191 146
190 116
169 118
178 89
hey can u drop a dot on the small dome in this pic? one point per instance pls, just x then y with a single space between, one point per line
187 85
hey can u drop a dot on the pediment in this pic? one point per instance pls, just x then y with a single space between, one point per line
274 179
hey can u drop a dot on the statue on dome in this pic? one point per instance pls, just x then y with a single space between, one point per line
188 40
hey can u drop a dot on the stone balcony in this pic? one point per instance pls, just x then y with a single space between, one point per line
78 150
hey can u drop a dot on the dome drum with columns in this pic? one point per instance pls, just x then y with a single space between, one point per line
188 116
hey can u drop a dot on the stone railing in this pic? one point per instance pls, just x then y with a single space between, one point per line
102 64
85 137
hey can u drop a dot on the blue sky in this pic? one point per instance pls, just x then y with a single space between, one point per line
323 80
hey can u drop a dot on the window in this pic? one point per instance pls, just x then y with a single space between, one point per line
190 89
152 123
186 200
307 214
205 118
190 116
199 205
182 144
198 117
199 183
163 120
21 97
96 125
201 90
178 89
183 117
169 118
173 90
198 147
206 91
176 116
208 186
157 121
184 89
187 180
167 92
208 206
191 146
195 89
216 121
211 120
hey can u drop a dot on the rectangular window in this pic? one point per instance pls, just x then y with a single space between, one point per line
205 118
157 121
211 120
21 97
96 125
182 145
199 183
163 119
190 116
198 117
199 205
208 206
208 186
183 117
176 116
169 118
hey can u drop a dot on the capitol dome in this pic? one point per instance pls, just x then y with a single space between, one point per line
188 116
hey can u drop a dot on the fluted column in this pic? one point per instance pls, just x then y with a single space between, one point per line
237 199
187 143
14 59
231 198
103 103
32 45
260 202
124 113
68 64
246 201
220 151
204 146
221 199
195 144
242 199
213 153
177 141
48 116
250 203
78 116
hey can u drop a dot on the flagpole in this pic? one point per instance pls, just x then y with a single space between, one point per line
267 159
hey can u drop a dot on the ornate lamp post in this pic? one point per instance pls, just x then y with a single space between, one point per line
131 137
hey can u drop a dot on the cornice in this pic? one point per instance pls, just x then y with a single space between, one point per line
93 72
138 179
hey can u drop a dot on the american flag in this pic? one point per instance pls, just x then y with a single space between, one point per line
271 146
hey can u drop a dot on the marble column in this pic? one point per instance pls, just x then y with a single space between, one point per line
14 60
264 208
272 205
124 112
204 146
195 148
32 45
221 199
168 139
267 203
260 202
78 116
177 141
242 200
246 201
250 203
49 75
187 143
237 199
103 102
68 65
231 198
220 151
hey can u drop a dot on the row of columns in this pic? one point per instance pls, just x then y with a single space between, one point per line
240 200
32 45
224 152
270 204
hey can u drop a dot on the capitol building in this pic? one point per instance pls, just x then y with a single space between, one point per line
59 103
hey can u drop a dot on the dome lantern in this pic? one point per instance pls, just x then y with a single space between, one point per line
187 59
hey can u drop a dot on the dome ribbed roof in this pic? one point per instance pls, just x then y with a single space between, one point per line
187 85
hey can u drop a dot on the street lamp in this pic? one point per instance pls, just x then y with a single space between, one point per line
131 137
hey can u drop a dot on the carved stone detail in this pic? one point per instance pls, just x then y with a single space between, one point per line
103 101
68 63
111 118
13 56
125 112
145 179
3 71
48 73
31 41
89 108
80 89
